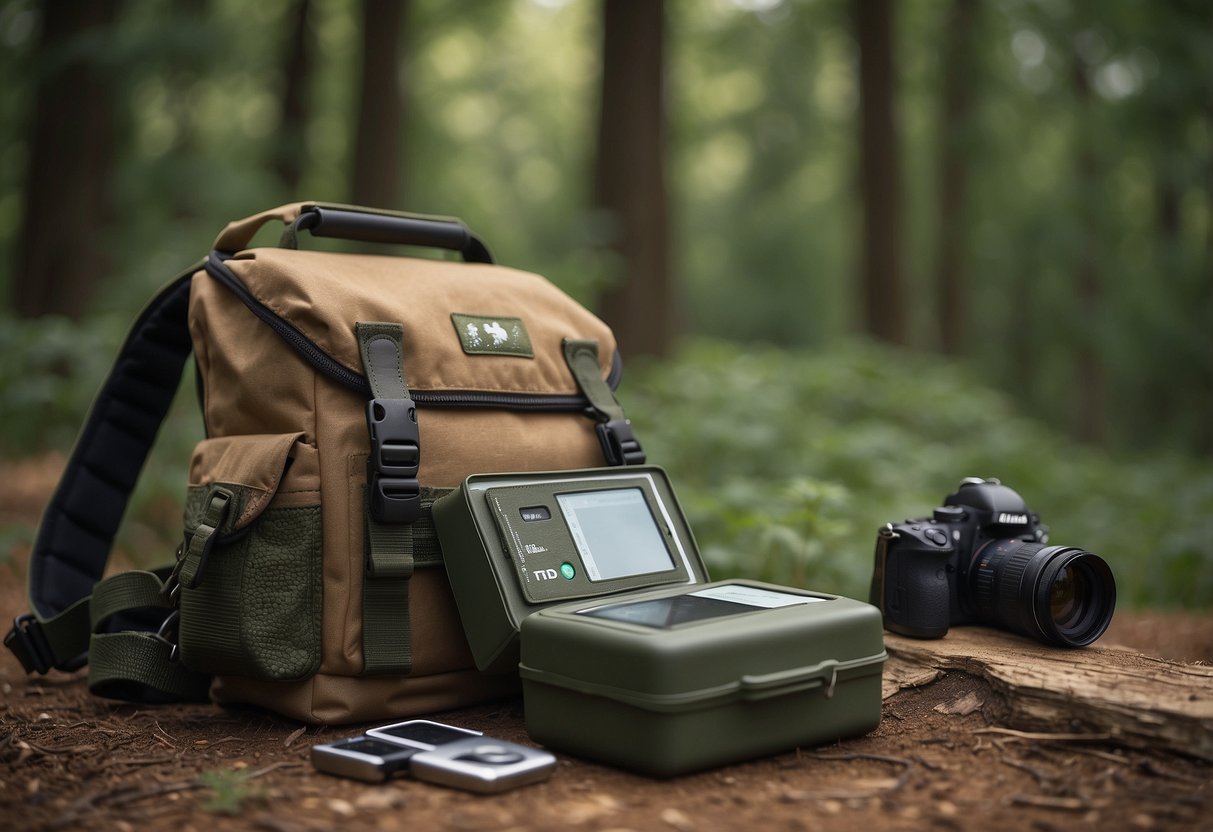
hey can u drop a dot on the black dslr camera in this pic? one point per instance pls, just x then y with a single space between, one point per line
983 558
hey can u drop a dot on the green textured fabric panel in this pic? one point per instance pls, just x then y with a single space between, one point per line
257 610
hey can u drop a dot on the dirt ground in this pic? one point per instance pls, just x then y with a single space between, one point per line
69 760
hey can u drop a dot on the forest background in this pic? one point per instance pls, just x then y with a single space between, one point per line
854 250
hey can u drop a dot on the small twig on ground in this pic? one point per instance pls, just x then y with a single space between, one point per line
927 763
1041 778
163 732
1029 735
907 769
156 791
1103 755
140 761
273 767
1073 804
294 736
62 749
1149 767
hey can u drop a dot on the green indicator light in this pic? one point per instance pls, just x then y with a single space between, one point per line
567 571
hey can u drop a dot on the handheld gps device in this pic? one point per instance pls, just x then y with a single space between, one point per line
516 543
437 753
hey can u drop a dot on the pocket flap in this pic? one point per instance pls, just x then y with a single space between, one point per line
255 465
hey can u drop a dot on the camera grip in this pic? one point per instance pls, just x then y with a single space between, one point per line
917 598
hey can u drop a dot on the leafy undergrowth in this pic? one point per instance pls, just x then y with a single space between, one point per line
787 463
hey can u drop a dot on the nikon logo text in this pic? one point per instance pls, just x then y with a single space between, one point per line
545 574
1013 518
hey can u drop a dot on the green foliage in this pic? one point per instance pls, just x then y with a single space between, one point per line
762 163
230 791
787 462
49 372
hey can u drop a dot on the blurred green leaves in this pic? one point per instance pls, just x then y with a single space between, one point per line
788 461
49 372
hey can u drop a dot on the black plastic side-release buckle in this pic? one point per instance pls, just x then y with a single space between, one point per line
619 444
394 493
29 645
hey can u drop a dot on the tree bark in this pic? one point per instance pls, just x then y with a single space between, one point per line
376 179
630 187
1204 314
1107 694
1088 277
880 174
60 256
953 177
297 71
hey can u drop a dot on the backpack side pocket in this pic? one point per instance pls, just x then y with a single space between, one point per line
251 597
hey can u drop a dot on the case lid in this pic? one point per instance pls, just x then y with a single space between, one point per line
699 647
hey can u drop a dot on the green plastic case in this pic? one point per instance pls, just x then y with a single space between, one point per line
509 551
670 681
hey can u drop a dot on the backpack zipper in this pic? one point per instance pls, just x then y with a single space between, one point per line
326 365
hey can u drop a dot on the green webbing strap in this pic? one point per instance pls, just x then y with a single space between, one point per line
127 591
393 500
72 547
385 597
138 665
57 641
619 443
384 364
142 667
202 539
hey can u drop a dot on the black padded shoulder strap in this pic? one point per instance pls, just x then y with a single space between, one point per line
78 526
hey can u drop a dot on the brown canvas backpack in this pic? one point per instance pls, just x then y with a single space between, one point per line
341 393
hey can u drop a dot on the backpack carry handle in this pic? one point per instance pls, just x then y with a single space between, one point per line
370 226
353 222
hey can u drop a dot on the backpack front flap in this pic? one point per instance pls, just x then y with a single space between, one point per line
332 613
479 342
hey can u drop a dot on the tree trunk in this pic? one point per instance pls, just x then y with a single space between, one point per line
379 138
953 176
1203 309
60 255
1088 278
1100 694
630 186
880 174
297 70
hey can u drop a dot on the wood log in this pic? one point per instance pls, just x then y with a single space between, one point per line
1106 693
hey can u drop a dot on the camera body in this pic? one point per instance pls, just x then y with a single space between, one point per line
982 558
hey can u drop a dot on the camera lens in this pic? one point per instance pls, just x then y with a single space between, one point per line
1069 586
1057 594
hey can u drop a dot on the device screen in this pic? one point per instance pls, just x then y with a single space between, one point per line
713 602
429 733
367 745
663 613
615 533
